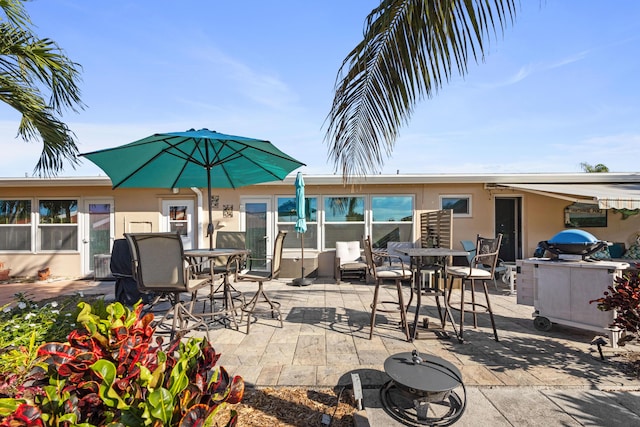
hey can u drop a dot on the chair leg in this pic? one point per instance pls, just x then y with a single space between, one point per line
493 322
462 286
473 303
403 313
261 297
374 306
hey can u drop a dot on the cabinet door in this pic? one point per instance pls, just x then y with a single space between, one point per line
525 283
553 291
588 284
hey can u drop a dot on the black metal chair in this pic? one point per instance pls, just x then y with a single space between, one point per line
261 276
481 268
396 271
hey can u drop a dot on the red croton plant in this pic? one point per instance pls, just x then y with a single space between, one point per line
113 372
624 297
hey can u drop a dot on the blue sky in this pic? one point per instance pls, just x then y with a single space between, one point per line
560 87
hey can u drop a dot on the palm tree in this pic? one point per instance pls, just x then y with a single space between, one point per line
410 48
586 167
31 70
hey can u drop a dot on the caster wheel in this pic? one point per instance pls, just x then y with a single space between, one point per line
542 324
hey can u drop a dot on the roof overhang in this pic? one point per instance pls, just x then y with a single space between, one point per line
606 196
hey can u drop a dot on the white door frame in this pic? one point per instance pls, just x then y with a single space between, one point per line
188 241
86 264
270 225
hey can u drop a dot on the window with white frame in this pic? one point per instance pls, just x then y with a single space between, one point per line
15 225
392 219
459 203
286 221
58 225
344 219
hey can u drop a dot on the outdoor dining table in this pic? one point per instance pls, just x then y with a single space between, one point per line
227 314
417 255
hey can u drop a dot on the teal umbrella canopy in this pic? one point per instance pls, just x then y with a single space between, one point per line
195 158
301 221
192 159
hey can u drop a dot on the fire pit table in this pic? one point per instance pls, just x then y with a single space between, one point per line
422 390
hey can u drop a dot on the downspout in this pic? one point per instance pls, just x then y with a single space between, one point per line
199 213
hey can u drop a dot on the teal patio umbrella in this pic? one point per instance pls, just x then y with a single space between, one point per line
301 225
195 158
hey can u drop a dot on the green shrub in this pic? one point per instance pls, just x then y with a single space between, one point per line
111 372
624 297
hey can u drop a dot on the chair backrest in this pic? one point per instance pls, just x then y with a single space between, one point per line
276 261
348 251
120 263
231 239
158 261
470 247
394 249
487 252
368 256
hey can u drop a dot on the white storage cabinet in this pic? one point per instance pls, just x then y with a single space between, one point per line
562 291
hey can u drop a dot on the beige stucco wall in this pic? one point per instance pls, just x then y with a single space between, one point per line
542 216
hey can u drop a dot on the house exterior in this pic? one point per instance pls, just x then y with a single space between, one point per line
69 224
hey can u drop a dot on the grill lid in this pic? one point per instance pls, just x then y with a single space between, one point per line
574 242
573 236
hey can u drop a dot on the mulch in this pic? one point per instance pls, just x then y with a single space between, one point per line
295 406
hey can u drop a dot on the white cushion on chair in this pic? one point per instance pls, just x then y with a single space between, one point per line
464 271
392 273
348 252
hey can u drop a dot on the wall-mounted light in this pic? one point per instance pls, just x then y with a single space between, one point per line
175 190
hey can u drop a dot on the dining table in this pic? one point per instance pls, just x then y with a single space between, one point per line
442 255
228 295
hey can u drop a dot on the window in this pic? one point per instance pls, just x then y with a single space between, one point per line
461 204
344 219
15 225
58 225
392 218
287 216
584 215
178 220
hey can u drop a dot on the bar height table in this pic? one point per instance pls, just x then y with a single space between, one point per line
442 254
228 310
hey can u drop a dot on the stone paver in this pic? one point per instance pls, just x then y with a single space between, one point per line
528 378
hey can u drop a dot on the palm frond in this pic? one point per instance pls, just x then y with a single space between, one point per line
410 48
32 70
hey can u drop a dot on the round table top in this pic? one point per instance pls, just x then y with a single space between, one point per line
215 252
432 375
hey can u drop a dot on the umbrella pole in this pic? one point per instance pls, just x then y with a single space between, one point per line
302 250
302 281
210 226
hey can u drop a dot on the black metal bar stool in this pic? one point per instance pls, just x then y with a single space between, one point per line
397 273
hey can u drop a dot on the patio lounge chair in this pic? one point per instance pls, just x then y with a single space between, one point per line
349 261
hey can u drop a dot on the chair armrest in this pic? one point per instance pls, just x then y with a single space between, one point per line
195 267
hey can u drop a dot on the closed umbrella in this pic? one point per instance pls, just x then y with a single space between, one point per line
195 158
301 225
